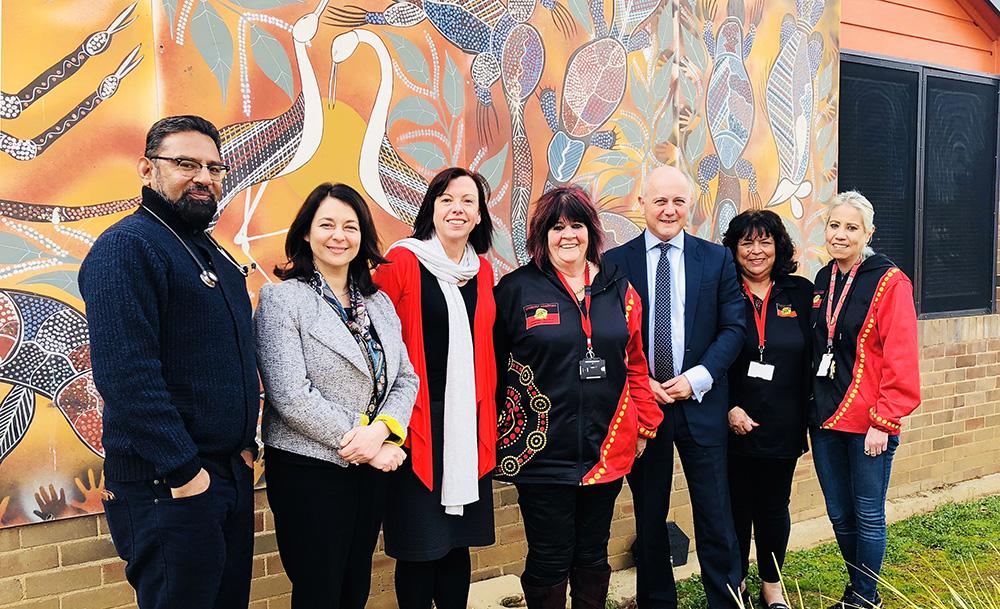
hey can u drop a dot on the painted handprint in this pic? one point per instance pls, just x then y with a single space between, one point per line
92 492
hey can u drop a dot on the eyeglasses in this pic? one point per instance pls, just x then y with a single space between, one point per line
190 168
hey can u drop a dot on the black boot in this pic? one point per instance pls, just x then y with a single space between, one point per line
544 597
846 601
589 587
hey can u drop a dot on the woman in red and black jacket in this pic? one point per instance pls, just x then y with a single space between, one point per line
575 403
867 378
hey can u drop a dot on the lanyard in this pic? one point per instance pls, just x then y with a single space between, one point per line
584 315
759 318
832 315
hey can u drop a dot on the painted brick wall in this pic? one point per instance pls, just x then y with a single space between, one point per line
954 436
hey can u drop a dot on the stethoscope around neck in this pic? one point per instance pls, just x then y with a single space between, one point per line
207 276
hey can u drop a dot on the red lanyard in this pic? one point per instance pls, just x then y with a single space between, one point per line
832 315
584 315
759 318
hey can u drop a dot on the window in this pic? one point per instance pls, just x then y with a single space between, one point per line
921 144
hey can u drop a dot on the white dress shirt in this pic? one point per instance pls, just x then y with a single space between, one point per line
698 376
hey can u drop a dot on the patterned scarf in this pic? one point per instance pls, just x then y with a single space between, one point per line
360 326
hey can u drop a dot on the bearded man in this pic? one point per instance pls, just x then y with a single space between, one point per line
173 357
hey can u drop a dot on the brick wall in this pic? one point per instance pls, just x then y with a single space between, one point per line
954 436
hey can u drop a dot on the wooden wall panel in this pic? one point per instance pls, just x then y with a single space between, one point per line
938 32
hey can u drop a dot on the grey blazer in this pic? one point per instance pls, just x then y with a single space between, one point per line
316 379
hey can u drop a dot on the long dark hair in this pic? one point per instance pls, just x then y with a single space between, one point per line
569 202
762 223
481 237
297 249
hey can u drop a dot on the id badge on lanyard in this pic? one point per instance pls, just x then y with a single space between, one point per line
828 367
758 369
591 366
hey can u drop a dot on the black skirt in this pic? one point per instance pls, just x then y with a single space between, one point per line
416 527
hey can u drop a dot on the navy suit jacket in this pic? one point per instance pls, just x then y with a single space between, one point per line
714 324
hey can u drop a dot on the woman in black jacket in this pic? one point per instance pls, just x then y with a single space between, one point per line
573 397
769 394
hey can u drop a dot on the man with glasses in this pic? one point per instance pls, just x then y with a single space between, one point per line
173 357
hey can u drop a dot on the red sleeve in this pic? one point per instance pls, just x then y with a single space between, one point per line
899 388
388 276
649 414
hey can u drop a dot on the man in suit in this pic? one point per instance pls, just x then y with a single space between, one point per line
693 329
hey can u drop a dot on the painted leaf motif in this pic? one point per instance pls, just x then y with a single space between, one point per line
426 154
614 158
415 109
16 412
64 280
492 169
272 59
264 4
171 7
825 81
501 244
631 131
665 125
665 28
694 50
581 12
694 146
618 186
453 87
661 82
639 92
411 59
688 91
14 249
214 43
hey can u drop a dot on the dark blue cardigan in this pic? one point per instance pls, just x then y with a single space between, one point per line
173 359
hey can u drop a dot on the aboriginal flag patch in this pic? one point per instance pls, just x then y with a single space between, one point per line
817 299
541 315
786 311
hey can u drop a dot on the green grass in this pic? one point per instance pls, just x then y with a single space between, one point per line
945 542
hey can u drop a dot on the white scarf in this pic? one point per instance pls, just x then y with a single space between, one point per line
460 475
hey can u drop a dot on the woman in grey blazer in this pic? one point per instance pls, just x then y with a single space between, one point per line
339 390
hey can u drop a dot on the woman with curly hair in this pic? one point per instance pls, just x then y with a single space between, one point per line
769 394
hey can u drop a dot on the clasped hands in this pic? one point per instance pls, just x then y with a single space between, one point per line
674 390
367 444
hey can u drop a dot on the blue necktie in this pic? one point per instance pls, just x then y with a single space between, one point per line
663 344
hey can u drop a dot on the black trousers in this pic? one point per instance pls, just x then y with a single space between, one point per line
190 552
326 520
444 581
759 491
715 537
566 526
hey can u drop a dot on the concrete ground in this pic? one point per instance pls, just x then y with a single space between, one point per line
505 591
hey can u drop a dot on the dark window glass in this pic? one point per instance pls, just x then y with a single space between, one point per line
878 151
959 195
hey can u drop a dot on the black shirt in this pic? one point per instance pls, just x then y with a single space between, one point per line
781 404
434 313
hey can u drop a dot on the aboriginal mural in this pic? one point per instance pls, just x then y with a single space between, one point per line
379 94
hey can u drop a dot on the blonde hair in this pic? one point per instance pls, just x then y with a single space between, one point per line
858 201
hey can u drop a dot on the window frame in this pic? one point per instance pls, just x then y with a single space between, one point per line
924 71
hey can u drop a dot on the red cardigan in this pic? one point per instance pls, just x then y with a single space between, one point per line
400 280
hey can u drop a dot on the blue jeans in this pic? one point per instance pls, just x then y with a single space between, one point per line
854 486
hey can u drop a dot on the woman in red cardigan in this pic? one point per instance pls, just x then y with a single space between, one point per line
440 500
866 380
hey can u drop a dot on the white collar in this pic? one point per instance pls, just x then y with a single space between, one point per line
654 241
